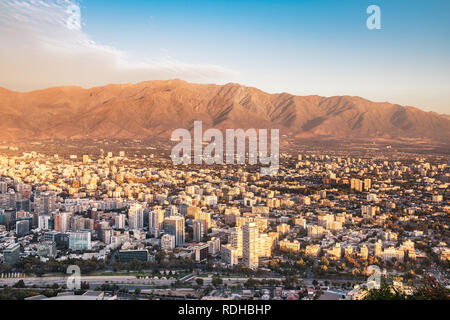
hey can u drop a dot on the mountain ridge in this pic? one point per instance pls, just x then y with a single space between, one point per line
155 108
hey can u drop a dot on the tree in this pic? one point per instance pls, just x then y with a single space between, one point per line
430 290
208 289
209 266
216 281
385 292
318 294
85 285
291 281
302 294
49 293
5 268
20 284
199 281
251 283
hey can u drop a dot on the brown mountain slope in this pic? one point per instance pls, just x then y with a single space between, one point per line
155 108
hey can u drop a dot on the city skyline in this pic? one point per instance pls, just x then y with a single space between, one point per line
128 219
262 151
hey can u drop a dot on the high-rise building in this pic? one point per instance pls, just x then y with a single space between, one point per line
292 246
228 255
378 249
12 254
315 231
2 217
250 237
231 214
201 252
356 184
8 200
199 230
192 211
119 221
214 246
47 249
53 236
155 221
80 240
23 205
45 203
364 252
206 218
369 211
171 211
7 217
335 252
325 219
136 216
168 242
174 225
264 245
283 228
300 222
44 222
58 223
62 221
106 235
367 184
22 227
3 187
235 241
81 223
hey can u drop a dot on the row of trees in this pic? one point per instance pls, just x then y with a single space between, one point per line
170 263
20 291
33 265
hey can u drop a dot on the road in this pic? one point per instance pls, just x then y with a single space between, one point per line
92 280
132 282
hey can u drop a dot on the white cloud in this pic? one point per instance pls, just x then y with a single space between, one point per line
43 45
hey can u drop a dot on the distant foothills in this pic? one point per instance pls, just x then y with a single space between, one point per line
155 108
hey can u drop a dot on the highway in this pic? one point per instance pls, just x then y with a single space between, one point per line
92 280
132 282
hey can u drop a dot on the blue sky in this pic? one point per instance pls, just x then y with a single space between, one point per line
301 47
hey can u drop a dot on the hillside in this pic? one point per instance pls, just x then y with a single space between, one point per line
155 108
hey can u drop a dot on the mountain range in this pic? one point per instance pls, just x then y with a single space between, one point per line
155 108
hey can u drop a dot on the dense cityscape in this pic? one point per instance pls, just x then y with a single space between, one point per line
224 159
328 225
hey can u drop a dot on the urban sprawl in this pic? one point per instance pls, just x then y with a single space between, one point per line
140 227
